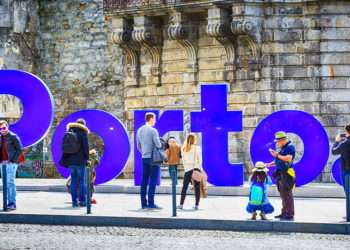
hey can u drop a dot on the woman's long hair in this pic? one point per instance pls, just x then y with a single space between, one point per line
190 140
260 177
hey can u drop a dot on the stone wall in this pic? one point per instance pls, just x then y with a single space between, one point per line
79 62
275 55
19 22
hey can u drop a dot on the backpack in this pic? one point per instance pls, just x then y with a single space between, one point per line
256 195
70 143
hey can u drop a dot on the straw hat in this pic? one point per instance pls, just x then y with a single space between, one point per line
260 167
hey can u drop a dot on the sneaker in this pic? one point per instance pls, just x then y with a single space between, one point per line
154 207
287 218
254 216
11 206
263 216
93 201
144 207
180 207
195 208
279 216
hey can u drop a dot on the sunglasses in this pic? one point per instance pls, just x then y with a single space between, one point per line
3 128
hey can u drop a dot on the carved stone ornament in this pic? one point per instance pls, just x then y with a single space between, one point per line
186 35
147 33
122 36
219 28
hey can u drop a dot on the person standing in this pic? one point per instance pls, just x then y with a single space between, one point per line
93 161
341 147
77 160
258 197
147 139
173 154
11 148
192 162
284 174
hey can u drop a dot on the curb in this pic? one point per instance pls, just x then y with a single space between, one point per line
176 223
302 192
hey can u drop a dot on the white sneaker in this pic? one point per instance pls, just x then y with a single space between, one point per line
180 207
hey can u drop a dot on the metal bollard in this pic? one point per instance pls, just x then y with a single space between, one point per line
347 188
88 191
4 187
173 184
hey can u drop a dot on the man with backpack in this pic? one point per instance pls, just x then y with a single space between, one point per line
11 148
148 141
75 149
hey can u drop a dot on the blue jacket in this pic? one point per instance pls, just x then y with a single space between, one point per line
13 146
342 148
81 157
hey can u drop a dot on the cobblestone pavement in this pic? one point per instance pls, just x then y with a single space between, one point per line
75 237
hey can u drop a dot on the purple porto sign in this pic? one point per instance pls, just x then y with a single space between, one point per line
214 121
37 102
310 130
114 136
336 172
171 120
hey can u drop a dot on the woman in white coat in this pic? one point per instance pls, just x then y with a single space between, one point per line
192 161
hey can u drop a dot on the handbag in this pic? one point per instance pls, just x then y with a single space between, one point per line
196 174
158 154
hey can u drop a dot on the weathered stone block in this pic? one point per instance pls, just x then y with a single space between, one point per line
338 58
312 34
295 72
288 35
296 97
5 18
335 46
335 71
336 95
134 103
209 52
289 59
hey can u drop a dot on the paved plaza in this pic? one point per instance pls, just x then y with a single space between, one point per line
74 237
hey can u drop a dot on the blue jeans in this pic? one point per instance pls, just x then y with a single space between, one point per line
345 173
173 173
149 177
77 173
11 169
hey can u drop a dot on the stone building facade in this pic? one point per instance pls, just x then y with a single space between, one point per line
120 56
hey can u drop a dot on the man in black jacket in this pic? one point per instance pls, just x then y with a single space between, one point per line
342 146
77 161
10 148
